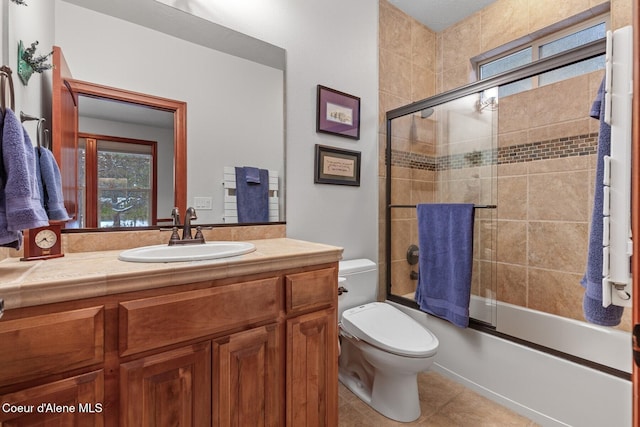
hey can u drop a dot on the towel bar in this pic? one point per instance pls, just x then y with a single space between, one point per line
475 206
230 206
6 78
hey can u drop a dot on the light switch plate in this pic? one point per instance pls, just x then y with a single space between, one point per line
205 203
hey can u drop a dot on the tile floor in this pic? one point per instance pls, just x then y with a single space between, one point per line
444 403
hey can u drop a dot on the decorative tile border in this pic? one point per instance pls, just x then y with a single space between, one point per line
579 145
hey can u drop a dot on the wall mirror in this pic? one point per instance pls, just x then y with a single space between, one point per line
232 87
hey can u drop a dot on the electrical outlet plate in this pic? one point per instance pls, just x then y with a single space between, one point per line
203 203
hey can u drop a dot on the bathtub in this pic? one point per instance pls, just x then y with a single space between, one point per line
551 390
605 346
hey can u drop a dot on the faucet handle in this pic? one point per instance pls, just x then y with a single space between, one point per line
175 237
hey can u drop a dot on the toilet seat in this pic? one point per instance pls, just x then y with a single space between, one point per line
389 329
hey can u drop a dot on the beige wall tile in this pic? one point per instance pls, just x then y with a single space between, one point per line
513 196
394 30
558 245
621 13
512 284
513 12
575 163
543 13
395 74
512 242
422 83
422 192
555 292
514 113
545 107
401 283
508 139
461 42
401 232
387 102
558 196
423 47
560 130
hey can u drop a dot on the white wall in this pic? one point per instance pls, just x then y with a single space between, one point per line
29 23
333 43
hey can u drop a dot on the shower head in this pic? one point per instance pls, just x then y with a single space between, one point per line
491 103
427 112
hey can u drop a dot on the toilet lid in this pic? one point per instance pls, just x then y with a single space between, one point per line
386 327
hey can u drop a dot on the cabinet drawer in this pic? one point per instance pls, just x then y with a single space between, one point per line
155 322
81 399
312 289
51 343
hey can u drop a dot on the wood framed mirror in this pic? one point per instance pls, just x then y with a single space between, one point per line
66 95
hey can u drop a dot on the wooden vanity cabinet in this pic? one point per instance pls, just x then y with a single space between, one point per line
259 350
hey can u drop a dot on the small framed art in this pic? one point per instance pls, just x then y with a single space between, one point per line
337 166
338 113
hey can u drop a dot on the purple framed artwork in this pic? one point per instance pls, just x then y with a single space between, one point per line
338 113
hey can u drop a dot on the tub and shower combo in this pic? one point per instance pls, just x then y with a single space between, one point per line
522 148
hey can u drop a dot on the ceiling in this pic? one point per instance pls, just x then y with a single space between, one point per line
440 14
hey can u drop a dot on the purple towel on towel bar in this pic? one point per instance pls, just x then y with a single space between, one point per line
592 307
20 200
445 238
50 185
8 239
252 199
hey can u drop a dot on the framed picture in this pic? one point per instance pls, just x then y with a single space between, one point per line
338 113
337 166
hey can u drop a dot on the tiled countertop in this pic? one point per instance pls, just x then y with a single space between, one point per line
93 274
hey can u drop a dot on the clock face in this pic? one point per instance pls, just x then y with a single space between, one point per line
45 239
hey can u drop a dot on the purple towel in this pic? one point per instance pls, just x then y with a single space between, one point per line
9 239
50 185
252 199
445 238
22 206
592 307
252 175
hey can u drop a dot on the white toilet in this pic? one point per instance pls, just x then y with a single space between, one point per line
382 349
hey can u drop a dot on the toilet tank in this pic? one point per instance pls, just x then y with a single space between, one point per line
360 278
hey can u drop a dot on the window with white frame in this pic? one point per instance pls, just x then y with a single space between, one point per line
553 44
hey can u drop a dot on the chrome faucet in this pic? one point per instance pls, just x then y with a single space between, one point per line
186 229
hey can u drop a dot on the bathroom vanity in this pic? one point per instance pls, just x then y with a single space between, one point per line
251 340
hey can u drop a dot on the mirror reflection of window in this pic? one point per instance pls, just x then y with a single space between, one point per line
117 182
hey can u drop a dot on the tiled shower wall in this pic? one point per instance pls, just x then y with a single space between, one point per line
545 156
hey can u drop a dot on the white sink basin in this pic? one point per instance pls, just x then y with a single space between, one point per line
192 252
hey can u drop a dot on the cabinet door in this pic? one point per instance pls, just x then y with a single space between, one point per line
167 389
246 379
75 401
312 370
